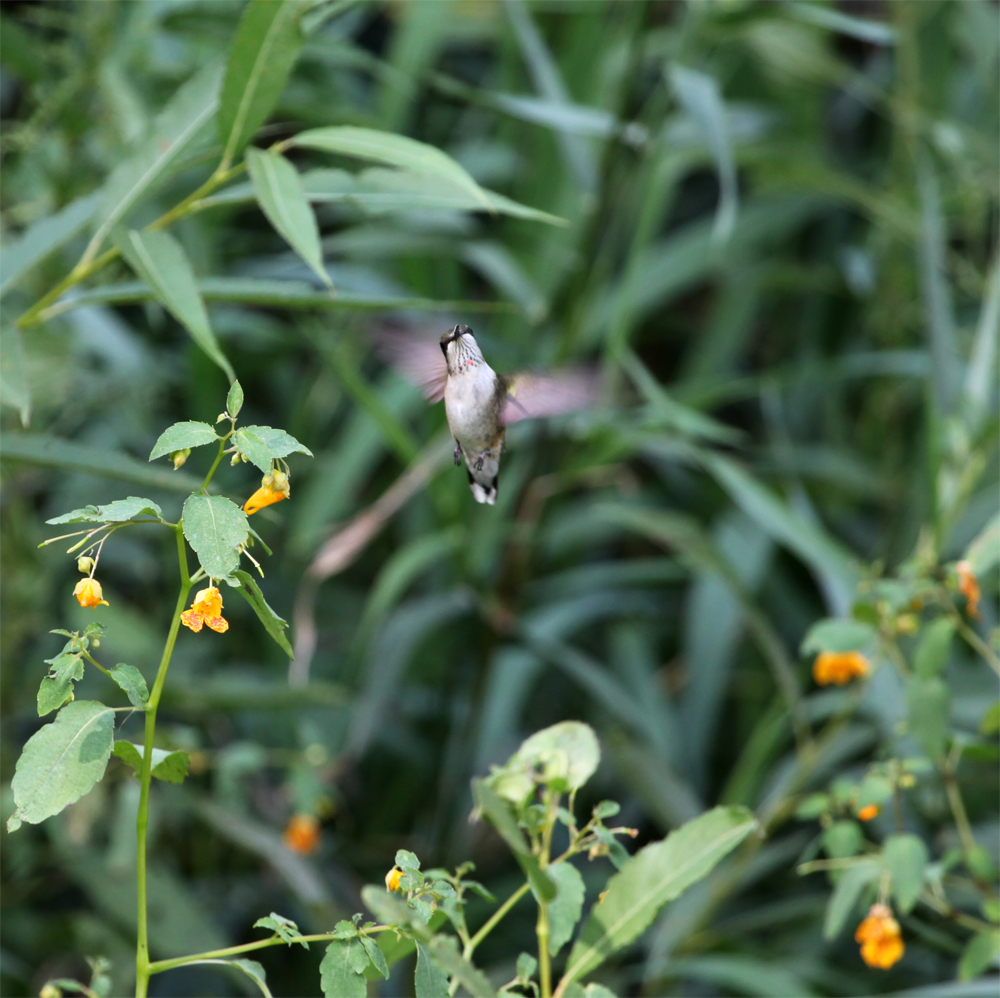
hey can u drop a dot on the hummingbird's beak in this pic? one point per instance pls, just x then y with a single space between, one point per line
452 335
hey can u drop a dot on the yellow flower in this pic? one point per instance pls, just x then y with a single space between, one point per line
88 593
302 834
868 812
273 488
392 879
968 586
880 938
839 667
206 609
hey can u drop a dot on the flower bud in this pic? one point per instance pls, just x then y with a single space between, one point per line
236 459
179 457
221 417
85 564
392 879
907 623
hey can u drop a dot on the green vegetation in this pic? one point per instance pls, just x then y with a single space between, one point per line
746 606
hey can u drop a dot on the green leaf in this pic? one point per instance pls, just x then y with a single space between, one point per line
215 528
428 981
498 811
273 624
251 968
607 809
261 57
843 839
49 452
656 874
282 199
375 956
172 767
64 669
526 966
113 512
157 257
278 442
392 150
444 952
928 708
234 400
15 388
567 906
906 858
283 927
984 552
342 969
44 237
178 125
407 860
979 953
838 635
253 448
62 761
567 752
131 680
932 653
181 436
845 895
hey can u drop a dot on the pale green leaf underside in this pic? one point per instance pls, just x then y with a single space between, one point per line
181 436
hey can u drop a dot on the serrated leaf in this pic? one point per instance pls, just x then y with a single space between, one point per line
566 907
838 635
932 652
282 199
567 752
169 766
113 512
339 977
180 436
131 680
215 528
392 150
283 927
375 956
845 895
234 400
64 669
157 257
273 624
62 761
428 981
497 810
980 951
260 59
278 442
190 109
906 859
256 451
407 860
526 966
656 874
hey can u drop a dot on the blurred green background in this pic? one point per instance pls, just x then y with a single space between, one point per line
780 233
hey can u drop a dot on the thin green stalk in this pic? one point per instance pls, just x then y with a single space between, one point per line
142 965
93 661
544 960
215 463
161 965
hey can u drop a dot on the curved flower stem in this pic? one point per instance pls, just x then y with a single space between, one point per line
142 965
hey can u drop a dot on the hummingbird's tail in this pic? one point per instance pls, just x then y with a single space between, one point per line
483 473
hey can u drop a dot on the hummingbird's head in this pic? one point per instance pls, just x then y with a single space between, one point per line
460 349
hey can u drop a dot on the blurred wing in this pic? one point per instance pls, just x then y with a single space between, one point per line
531 396
419 359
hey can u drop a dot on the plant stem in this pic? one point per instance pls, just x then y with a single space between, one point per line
544 961
142 965
490 924
215 464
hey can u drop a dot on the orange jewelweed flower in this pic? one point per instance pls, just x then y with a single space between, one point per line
839 667
868 812
880 938
88 593
968 586
302 834
273 488
392 879
206 609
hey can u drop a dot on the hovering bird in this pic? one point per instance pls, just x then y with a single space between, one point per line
479 403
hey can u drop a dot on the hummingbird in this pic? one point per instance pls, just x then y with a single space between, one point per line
479 403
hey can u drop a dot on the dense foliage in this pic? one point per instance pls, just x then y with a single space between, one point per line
773 226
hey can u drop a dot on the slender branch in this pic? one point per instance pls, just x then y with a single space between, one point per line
142 965
93 661
215 464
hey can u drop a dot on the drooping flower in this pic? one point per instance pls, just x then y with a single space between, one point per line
206 609
868 812
968 586
392 879
88 593
302 834
839 667
880 938
273 488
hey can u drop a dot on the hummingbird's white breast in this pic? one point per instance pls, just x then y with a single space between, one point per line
470 406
